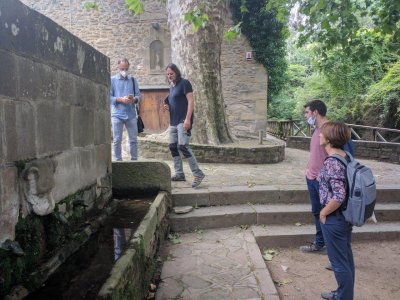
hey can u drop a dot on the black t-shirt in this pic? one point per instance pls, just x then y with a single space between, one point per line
178 103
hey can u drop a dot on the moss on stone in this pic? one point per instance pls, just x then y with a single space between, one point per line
29 234
20 164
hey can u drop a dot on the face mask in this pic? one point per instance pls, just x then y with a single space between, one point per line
311 121
123 73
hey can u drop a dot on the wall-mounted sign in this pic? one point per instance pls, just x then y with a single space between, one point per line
248 55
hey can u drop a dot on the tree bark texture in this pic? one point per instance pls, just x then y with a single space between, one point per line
197 54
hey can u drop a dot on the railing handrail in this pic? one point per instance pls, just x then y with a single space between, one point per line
285 128
372 127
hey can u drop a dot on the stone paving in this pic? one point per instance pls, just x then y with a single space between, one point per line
289 172
227 263
215 264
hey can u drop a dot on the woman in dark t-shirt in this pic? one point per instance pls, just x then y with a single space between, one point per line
180 104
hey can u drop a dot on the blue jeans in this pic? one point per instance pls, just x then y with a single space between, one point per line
337 233
313 190
131 128
179 144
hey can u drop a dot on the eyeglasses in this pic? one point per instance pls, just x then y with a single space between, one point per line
123 69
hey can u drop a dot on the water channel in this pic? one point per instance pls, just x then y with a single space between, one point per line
84 273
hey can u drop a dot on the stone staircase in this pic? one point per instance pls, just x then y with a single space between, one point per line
278 215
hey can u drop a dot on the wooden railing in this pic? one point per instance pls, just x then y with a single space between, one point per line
283 129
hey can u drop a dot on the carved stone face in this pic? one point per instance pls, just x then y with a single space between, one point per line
38 179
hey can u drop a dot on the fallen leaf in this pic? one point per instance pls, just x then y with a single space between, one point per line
269 254
282 282
284 268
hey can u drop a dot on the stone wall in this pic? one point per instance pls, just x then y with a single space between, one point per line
54 119
244 86
387 152
114 31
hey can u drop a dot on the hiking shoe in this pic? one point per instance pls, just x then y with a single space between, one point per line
197 180
178 178
313 248
329 295
329 267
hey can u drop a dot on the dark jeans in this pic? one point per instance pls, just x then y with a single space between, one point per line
313 190
337 234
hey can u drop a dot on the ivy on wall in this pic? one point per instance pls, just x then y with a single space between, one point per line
266 36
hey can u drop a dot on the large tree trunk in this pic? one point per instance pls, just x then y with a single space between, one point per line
197 54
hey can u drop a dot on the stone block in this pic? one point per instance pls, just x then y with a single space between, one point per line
36 80
162 203
102 98
191 197
87 164
16 32
147 229
10 131
102 133
83 127
293 194
53 128
140 178
85 93
66 177
26 131
102 158
9 202
49 42
242 195
2 134
66 92
8 74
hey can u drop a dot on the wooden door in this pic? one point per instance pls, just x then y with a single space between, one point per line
155 119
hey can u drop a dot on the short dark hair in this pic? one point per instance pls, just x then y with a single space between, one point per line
175 69
318 105
336 133
123 60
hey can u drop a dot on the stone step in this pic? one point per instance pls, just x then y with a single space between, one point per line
249 214
295 236
261 194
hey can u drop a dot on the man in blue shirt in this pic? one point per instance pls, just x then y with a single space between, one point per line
124 96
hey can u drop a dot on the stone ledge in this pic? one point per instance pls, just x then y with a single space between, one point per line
129 276
140 178
230 153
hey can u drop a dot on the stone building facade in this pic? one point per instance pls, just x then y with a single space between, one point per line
145 40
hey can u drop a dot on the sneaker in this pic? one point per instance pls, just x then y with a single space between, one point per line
197 180
329 295
313 248
178 178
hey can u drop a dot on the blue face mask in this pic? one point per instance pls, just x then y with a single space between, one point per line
311 121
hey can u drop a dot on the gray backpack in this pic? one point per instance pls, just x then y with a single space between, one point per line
361 191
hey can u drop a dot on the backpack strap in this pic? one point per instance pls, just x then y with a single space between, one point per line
134 89
134 92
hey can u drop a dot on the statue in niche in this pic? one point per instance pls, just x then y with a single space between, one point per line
38 182
156 55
